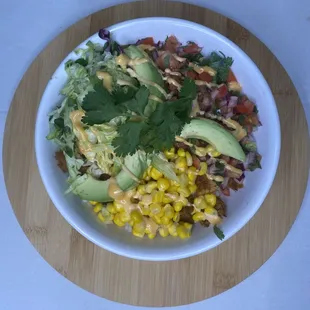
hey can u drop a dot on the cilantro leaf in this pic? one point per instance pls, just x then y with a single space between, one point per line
220 63
188 89
123 94
100 106
139 102
219 233
129 138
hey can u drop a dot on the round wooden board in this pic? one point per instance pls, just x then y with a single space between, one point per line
150 283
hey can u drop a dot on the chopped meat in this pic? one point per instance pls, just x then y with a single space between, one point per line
167 60
220 207
61 161
83 169
204 185
181 145
234 185
205 223
204 99
104 177
186 214
171 44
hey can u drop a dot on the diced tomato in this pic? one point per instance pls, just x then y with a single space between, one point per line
231 77
191 48
196 162
192 75
222 91
246 107
147 41
204 76
225 191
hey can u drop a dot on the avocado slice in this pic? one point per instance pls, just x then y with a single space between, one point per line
213 133
149 76
88 188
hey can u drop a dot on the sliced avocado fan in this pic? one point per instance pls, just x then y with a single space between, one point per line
88 188
148 75
213 133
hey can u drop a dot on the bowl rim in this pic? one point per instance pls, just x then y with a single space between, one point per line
245 219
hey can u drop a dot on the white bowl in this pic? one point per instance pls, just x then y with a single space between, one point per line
241 205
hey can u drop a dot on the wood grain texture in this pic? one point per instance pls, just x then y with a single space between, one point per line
150 283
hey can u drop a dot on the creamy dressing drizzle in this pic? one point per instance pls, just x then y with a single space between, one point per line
124 198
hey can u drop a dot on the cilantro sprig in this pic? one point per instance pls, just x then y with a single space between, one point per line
154 133
218 232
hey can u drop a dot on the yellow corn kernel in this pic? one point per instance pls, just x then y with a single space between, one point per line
199 216
147 178
139 227
203 168
155 174
210 199
151 236
167 199
138 234
118 206
131 223
182 232
98 207
117 221
184 191
163 231
144 174
136 216
180 163
141 189
173 196
183 179
157 196
210 210
181 152
172 189
192 174
189 159
92 202
169 211
150 186
215 153
178 206
182 199
188 226
165 220
145 211
192 188
124 217
170 153
155 208
163 184
101 217
146 200
210 148
149 168
176 217
157 219
111 208
172 229
200 203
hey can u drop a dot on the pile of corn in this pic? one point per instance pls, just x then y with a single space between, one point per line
160 201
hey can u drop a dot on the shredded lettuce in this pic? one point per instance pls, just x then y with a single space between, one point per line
61 131
73 165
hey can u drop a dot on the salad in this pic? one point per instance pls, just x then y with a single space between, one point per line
154 135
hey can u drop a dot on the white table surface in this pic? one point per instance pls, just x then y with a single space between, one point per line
27 281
